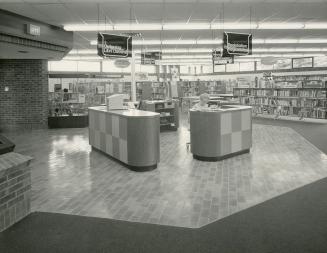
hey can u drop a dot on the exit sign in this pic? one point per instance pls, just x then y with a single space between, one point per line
33 30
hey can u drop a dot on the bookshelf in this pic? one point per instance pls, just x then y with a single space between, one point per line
214 87
188 88
195 88
159 91
168 109
298 97
151 90
69 107
66 103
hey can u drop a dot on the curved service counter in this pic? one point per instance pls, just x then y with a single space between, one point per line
222 133
130 136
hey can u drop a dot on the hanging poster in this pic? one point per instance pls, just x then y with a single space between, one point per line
81 98
100 89
217 59
150 58
142 76
174 71
305 62
237 44
114 46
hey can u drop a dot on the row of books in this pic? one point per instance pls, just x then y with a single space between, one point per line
285 93
314 93
282 102
287 111
299 78
317 113
320 113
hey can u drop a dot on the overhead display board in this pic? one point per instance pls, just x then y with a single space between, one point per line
218 59
150 58
237 44
114 46
305 62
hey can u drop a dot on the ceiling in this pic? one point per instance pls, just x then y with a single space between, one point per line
112 12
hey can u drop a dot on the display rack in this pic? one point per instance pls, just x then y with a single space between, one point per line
214 87
151 90
169 112
188 88
288 96
69 107
67 110
66 103
195 88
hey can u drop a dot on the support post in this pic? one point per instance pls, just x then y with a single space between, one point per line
133 83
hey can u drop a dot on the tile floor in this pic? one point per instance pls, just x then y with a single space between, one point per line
68 177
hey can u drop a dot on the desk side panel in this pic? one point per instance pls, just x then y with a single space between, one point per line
236 131
108 133
205 137
143 141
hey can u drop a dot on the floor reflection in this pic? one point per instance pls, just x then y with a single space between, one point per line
69 177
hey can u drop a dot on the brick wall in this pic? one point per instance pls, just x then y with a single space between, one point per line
15 188
25 105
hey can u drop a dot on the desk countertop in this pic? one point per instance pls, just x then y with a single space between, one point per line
225 108
125 113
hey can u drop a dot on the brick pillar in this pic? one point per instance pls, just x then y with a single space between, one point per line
25 104
15 188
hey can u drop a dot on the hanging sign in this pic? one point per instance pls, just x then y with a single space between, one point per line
174 71
142 76
237 44
122 63
217 59
305 62
132 34
150 58
270 60
114 46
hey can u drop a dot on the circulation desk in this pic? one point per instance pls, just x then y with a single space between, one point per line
221 133
129 136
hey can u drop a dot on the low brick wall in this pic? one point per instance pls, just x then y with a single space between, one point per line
15 188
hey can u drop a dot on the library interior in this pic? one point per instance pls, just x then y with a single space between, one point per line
163 126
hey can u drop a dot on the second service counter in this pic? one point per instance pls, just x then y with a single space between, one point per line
130 136
221 133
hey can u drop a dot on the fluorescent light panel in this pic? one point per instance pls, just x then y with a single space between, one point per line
203 56
195 26
219 41
280 26
206 50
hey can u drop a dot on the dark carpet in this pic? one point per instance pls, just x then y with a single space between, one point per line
313 132
294 222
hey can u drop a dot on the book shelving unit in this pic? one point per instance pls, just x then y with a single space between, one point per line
288 97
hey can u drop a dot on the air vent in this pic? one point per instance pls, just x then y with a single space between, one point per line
31 43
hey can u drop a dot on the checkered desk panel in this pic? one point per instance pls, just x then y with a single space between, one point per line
236 131
108 133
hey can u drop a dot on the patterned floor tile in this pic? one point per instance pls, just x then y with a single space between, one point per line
68 177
